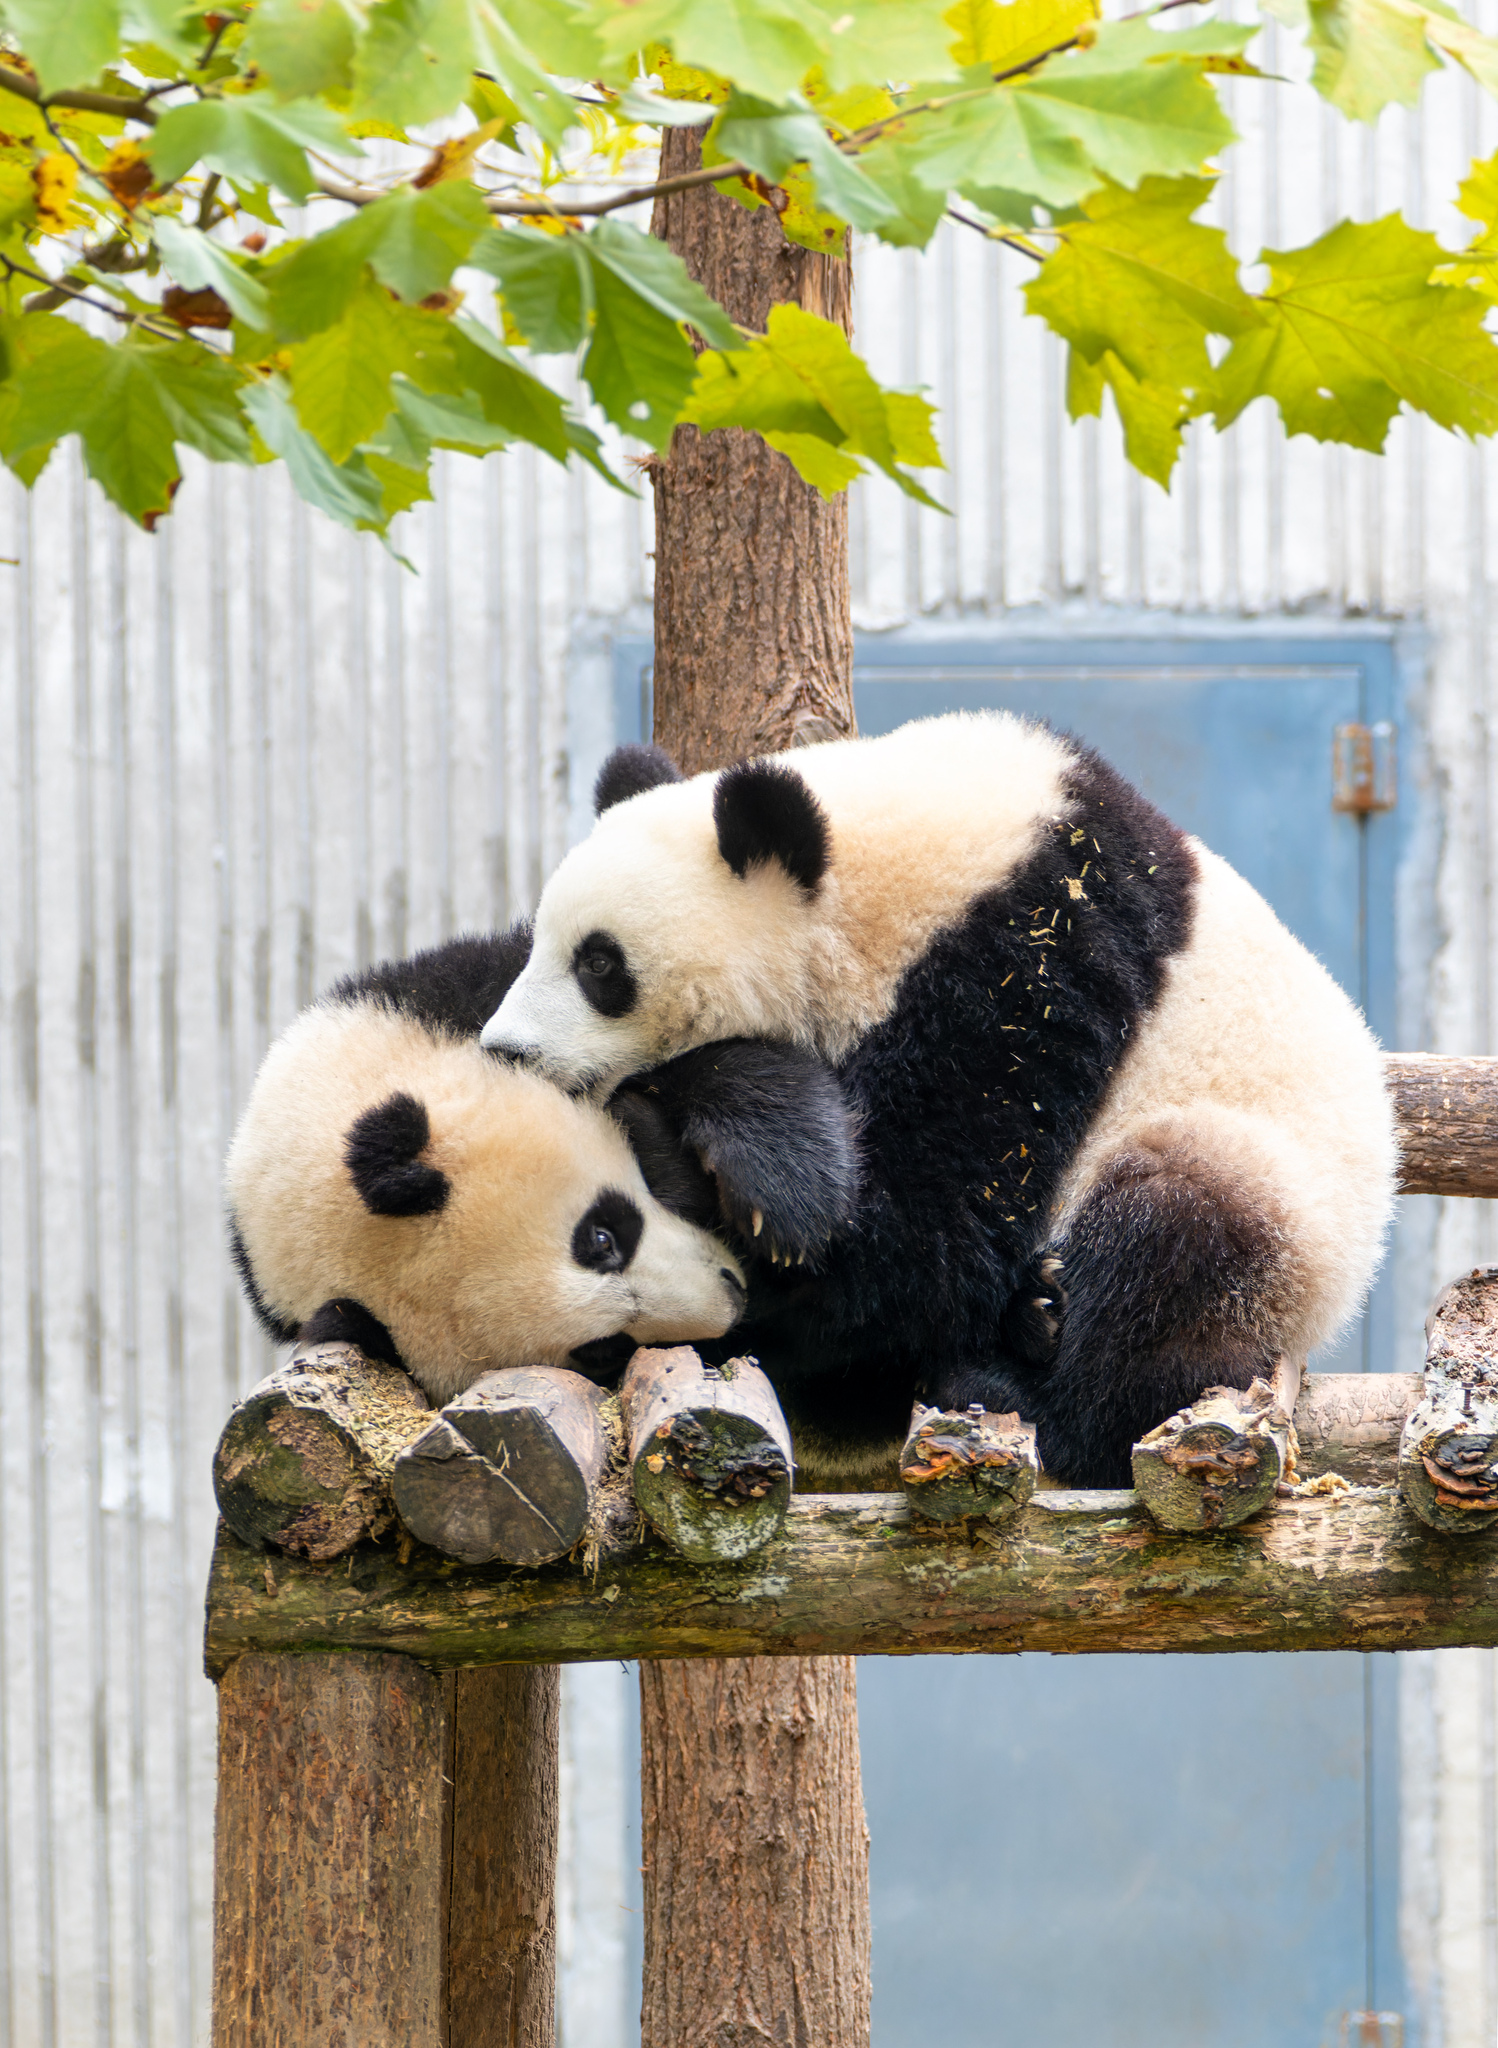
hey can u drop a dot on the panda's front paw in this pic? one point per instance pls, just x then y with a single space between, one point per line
1035 1312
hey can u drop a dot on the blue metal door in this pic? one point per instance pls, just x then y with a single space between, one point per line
1150 1852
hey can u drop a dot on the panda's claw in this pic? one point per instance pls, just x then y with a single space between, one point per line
758 1220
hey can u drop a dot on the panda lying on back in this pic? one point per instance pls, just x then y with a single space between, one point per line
393 1186
1085 1054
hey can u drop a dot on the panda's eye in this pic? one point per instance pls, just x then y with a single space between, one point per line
608 1237
602 973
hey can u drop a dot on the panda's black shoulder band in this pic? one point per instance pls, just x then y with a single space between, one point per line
629 771
380 1153
764 811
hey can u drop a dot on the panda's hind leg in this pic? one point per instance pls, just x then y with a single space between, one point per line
1184 1268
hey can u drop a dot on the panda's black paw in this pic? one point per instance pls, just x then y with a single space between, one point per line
1032 1319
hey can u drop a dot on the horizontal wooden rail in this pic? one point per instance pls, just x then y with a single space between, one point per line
859 1573
1447 1112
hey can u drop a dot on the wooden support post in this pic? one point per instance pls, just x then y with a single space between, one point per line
510 1469
385 1849
954 1467
1448 1456
709 1451
305 1459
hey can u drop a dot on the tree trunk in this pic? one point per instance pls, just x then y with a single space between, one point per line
756 1892
755 1848
753 640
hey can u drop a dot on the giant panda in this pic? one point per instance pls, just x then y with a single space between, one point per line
392 1185
1122 1136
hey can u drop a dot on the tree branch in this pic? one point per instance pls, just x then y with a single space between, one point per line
85 102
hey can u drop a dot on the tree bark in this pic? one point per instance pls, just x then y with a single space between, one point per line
384 1854
753 639
753 652
1448 1122
756 1896
855 1574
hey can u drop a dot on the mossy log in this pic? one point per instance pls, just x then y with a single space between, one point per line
1218 1461
305 1460
709 1451
1448 1456
955 1466
510 1469
860 1573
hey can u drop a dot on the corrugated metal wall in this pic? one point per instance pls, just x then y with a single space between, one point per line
249 753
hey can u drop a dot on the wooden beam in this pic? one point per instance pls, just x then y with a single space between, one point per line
860 1573
1447 1112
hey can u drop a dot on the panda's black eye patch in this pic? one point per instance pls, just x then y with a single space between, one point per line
609 1235
602 973
380 1153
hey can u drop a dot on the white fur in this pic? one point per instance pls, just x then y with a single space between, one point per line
488 1280
1254 1057
921 820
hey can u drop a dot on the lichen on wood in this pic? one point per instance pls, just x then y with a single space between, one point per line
1218 1461
304 1461
954 1466
1448 1456
709 1451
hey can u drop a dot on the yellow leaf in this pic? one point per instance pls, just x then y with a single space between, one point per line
55 178
455 159
1003 36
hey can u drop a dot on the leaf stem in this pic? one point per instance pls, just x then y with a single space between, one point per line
1010 241
70 291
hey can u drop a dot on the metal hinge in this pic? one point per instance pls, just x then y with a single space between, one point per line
1365 774
1371 2029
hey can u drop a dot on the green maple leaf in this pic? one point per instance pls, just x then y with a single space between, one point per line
638 364
772 139
1133 103
340 379
1140 278
412 241
253 138
1005 142
659 277
765 46
546 281
916 209
1369 53
400 486
1153 415
348 492
303 47
440 419
413 61
1352 326
802 379
868 40
68 41
1477 264
508 394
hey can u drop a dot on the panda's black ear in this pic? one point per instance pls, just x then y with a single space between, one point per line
764 811
380 1153
629 771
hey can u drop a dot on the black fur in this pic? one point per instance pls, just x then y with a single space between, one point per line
602 973
773 1128
973 1096
380 1153
349 1322
629 771
764 811
673 1172
607 1238
275 1327
454 988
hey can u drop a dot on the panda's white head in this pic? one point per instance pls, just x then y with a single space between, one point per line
481 1216
687 915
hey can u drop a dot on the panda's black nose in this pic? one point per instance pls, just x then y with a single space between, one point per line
735 1283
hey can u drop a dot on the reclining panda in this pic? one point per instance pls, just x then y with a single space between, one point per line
393 1186
1122 1136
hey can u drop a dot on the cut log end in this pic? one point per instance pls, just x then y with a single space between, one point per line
1217 1462
510 1469
959 1466
709 1452
1448 1455
304 1462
